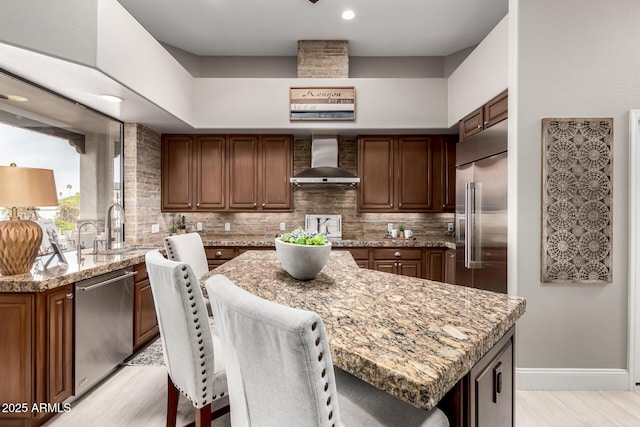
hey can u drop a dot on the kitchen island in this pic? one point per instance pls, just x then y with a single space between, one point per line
416 339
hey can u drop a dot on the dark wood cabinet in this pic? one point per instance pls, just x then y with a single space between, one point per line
404 261
276 167
177 172
376 166
145 323
491 396
60 344
36 357
435 264
242 162
218 256
494 111
210 177
406 173
450 266
212 173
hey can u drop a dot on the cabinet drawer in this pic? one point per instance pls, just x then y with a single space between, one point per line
219 253
360 254
397 253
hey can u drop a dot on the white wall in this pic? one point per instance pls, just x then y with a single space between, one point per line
264 103
481 76
575 59
61 28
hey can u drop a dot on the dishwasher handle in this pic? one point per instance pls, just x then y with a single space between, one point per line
106 282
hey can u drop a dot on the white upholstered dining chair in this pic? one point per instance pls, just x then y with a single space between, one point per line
192 350
188 248
280 372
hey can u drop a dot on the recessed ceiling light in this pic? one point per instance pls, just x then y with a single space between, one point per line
111 98
16 98
348 15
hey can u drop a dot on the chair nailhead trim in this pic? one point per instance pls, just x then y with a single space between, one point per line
329 401
330 414
326 386
320 356
184 267
324 372
313 326
317 341
186 276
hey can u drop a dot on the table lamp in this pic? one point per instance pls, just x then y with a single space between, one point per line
20 239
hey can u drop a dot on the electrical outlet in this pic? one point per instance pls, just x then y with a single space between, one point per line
283 226
198 226
155 228
450 227
227 226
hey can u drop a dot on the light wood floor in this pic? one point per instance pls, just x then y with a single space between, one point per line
136 396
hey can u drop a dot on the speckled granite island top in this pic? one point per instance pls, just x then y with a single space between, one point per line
39 280
413 338
428 241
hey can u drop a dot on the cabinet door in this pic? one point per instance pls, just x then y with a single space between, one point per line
145 323
450 267
493 387
496 109
472 123
242 159
16 336
376 172
275 171
435 259
448 162
387 266
412 268
60 344
177 172
210 172
414 174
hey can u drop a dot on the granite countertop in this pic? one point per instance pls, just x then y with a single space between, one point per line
39 280
428 241
413 338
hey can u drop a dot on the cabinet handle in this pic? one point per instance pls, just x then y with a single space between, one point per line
255 204
390 205
486 123
189 204
399 204
497 382
479 127
218 253
198 205
264 204
397 253
69 296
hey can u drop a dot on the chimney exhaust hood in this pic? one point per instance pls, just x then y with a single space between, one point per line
324 165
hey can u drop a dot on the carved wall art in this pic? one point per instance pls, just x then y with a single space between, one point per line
577 200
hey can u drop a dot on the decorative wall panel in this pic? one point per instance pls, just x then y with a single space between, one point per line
577 200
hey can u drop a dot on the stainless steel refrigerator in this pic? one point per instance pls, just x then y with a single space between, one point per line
481 210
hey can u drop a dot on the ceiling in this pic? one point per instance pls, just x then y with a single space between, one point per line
272 28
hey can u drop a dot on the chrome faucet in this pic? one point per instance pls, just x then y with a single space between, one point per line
107 222
79 241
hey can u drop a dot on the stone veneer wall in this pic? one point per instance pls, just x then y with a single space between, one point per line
142 188
323 59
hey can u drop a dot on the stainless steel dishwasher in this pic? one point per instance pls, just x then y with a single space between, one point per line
104 326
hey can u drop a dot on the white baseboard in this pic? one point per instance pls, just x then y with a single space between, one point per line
572 379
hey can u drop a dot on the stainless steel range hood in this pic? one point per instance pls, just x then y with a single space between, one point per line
324 165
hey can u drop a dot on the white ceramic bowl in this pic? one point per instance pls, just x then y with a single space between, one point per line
302 262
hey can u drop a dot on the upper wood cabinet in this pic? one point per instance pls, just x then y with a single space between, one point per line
485 116
234 173
406 173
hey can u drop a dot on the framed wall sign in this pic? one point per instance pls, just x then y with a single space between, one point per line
322 103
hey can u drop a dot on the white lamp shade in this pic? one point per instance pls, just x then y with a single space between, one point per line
26 187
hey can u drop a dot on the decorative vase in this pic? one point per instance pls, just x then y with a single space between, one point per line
302 262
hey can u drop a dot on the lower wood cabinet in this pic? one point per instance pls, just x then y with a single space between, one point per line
36 331
407 262
145 323
485 396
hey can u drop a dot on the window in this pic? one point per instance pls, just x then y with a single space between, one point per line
83 147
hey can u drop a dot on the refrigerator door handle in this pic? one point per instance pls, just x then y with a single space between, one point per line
471 213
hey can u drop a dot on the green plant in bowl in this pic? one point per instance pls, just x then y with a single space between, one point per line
304 237
302 254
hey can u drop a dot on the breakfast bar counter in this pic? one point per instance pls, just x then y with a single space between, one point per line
414 338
